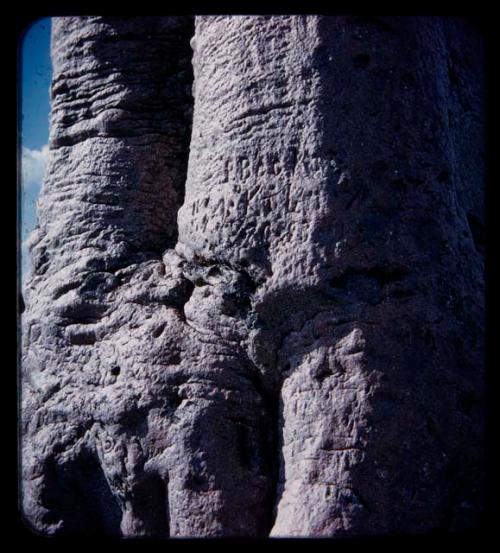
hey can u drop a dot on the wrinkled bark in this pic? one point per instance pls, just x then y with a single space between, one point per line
284 335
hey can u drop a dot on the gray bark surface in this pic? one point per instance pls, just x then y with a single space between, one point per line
257 299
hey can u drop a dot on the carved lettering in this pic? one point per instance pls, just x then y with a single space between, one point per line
245 171
250 168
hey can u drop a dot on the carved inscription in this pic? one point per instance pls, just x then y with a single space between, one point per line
255 185
241 168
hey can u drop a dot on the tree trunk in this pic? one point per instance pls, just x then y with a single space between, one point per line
283 335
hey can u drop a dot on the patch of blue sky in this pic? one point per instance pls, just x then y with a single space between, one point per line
35 79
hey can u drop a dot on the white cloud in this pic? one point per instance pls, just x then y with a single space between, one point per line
33 164
26 243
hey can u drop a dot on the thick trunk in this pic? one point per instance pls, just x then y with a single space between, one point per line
297 351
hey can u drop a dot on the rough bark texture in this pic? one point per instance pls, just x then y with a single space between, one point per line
283 336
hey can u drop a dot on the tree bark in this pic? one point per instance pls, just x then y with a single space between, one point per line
282 335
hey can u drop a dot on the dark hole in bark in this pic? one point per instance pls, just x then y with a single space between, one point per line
158 330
